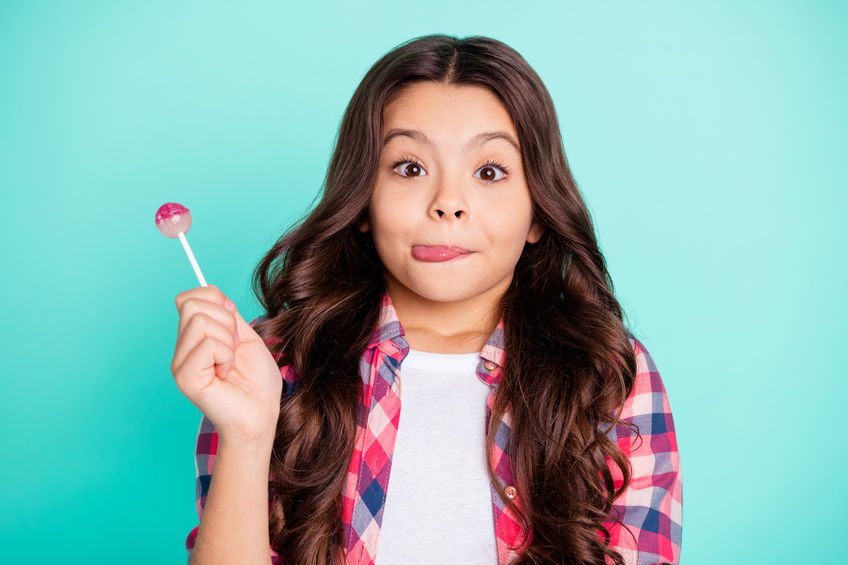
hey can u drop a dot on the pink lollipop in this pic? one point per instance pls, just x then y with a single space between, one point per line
174 220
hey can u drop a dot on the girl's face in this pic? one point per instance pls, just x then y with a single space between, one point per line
451 211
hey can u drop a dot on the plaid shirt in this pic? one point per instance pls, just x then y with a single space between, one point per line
650 507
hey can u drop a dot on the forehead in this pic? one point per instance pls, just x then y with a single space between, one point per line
460 108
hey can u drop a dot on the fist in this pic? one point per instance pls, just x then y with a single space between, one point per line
224 368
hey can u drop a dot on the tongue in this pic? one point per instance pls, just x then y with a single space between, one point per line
425 253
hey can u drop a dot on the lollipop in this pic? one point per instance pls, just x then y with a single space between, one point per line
174 220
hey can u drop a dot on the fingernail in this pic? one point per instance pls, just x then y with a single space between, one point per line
229 305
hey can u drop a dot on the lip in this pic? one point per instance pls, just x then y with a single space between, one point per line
438 253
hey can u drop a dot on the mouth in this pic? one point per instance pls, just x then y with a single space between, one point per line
438 253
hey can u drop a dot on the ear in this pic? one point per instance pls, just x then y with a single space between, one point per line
364 225
535 233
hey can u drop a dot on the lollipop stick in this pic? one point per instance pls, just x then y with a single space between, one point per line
191 258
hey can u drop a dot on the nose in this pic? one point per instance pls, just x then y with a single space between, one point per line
448 202
459 213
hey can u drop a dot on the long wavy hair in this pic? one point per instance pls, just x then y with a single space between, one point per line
569 365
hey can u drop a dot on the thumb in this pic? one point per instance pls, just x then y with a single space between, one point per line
245 331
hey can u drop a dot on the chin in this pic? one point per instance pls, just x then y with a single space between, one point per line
445 292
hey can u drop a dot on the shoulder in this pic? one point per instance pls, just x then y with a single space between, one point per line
648 395
645 416
646 368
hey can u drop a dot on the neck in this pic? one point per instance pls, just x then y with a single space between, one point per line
461 326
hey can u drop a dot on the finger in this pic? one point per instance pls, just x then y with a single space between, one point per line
193 306
200 369
199 327
209 293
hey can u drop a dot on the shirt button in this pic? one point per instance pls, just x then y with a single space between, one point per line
490 365
510 492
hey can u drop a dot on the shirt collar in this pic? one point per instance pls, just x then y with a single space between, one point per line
390 337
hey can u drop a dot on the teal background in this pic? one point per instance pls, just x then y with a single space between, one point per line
708 139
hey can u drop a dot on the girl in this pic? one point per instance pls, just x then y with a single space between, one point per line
457 384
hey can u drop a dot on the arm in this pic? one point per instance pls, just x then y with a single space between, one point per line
650 508
232 502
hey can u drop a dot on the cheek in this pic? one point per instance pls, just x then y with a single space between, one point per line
508 220
388 214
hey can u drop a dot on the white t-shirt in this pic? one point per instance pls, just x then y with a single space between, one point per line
439 500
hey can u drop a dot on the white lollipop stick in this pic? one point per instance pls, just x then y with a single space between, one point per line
191 258
173 220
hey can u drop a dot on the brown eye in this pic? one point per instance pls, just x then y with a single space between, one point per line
488 173
490 170
409 168
412 170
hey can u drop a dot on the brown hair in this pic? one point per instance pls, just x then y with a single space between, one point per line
569 364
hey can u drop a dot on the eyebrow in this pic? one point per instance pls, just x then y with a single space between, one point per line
479 139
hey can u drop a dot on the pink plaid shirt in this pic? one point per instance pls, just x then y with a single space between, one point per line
650 508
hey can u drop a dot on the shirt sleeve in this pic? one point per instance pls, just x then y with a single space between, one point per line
205 451
651 506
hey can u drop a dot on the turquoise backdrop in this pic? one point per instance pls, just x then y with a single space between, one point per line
709 140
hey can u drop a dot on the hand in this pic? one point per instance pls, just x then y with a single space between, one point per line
224 368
